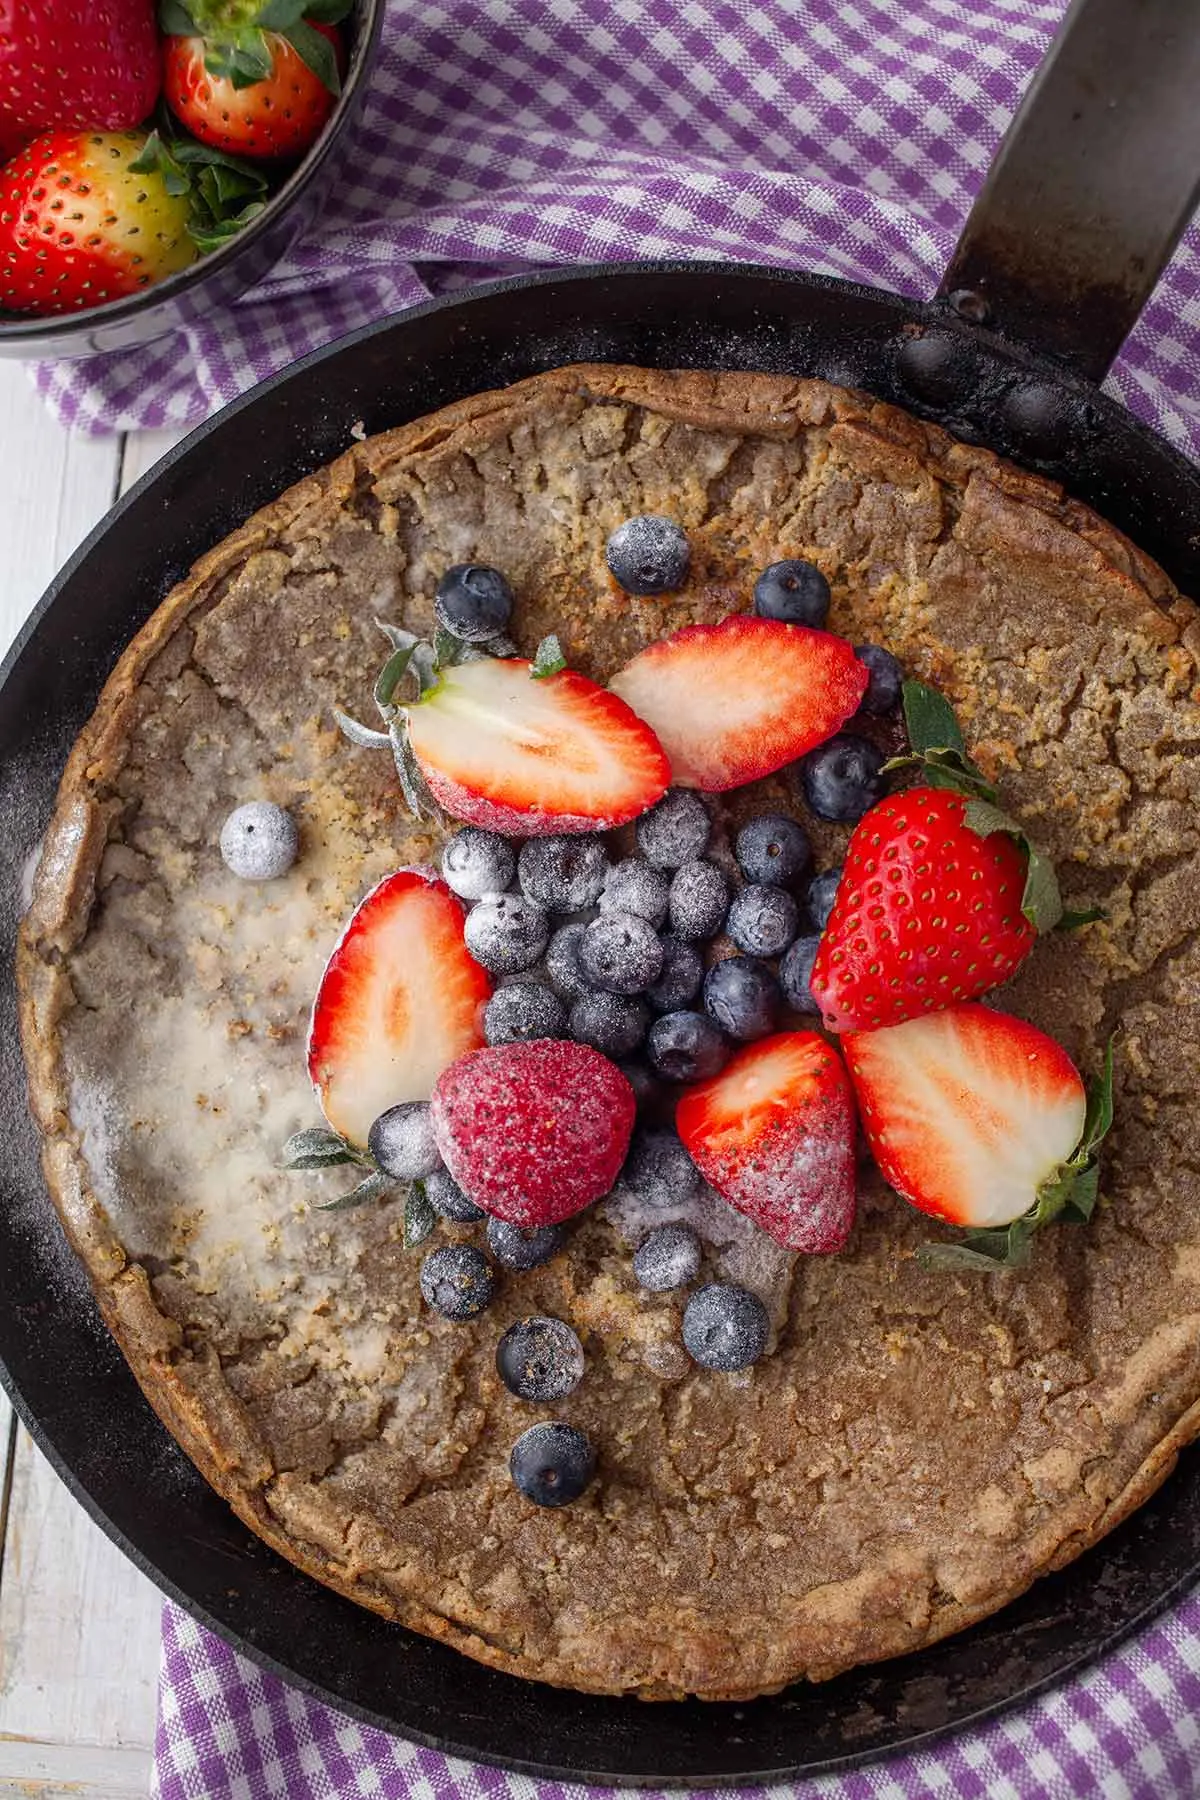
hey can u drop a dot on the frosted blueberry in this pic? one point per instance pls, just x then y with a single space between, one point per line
540 1359
659 1170
822 890
614 1024
887 678
648 555
742 996
448 1200
668 1258
620 953
686 1046
763 920
563 874
475 863
551 1464
795 974
457 1281
773 849
259 841
401 1141
699 899
516 1247
521 1011
675 831
725 1327
679 978
506 932
632 886
473 601
562 963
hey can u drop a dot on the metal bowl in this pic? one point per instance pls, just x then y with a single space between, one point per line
218 279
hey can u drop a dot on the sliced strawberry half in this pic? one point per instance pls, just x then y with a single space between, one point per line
970 1113
502 750
401 998
733 702
774 1134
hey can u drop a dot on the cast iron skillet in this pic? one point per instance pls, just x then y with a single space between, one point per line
66 1377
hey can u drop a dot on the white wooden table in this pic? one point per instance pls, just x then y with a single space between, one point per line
78 1623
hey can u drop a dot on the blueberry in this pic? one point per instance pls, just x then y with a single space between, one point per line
522 1010
473 601
552 1463
668 1258
699 900
795 973
632 886
457 1281
562 963
680 977
820 897
659 1170
514 1247
763 920
620 953
742 996
648 555
841 778
563 874
887 678
475 863
773 849
448 1200
725 1327
675 831
540 1359
401 1141
506 932
640 1079
614 1024
259 841
793 591
686 1046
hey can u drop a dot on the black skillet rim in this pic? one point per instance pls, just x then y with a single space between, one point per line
1153 1523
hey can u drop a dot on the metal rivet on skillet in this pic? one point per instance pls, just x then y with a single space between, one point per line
1039 418
939 367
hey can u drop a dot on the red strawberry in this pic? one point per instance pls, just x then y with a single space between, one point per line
502 750
533 1132
399 1000
970 1114
927 914
80 225
736 701
280 114
92 63
774 1133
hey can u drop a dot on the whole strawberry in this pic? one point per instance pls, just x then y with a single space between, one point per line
942 896
533 1132
80 224
75 62
252 79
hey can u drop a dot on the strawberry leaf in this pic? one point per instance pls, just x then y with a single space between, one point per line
316 1149
373 1188
278 15
316 52
174 20
447 649
362 735
419 1216
929 718
548 659
977 1261
1087 915
390 677
327 12
1041 902
396 635
417 798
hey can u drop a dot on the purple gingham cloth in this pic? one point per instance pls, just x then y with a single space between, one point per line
845 136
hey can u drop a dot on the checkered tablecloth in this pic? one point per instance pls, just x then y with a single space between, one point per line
845 136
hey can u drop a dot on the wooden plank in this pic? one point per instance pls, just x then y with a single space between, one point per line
55 487
49 1770
142 450
79 1625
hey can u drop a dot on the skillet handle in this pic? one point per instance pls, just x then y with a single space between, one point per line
1092 186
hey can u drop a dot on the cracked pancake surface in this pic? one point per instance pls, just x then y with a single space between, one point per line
920 1445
